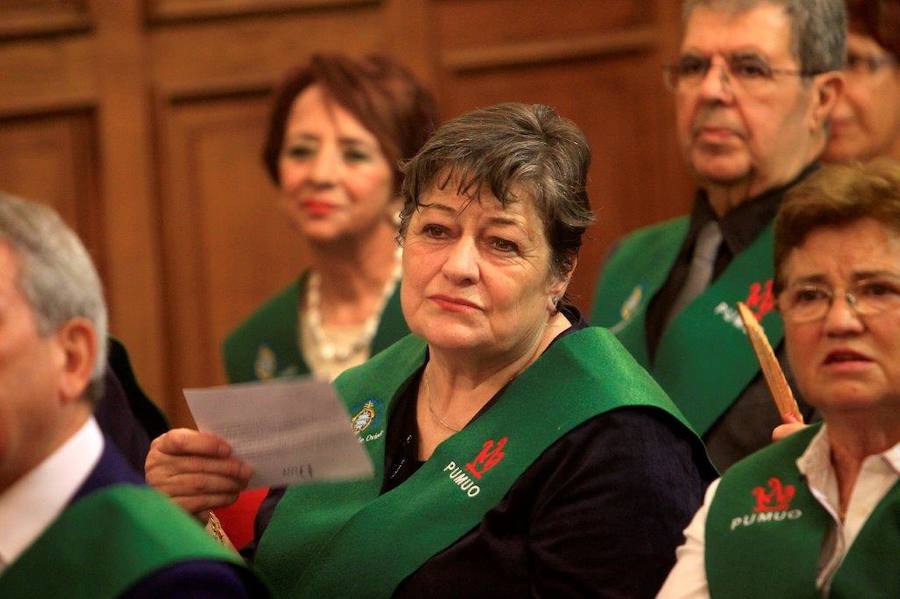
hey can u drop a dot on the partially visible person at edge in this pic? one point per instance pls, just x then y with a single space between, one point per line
866 121
517 451
76 521
754 85
817 513
124 413
338 129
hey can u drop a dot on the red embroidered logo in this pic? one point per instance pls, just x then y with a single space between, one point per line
760 299
489 456
777 499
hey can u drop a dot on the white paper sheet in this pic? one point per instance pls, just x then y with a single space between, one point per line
291 431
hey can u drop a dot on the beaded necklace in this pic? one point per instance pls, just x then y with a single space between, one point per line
327 348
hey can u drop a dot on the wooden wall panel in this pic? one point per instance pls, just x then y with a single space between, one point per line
226 246
141 121
119 63
624 175
29 18
177 10
260 48
53 159
597 64
47 75
478 23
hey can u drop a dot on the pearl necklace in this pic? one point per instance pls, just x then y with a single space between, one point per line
326 348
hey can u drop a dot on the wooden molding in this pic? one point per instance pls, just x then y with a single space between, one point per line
53 158
167 11
47 105
212 90
36 19
642 39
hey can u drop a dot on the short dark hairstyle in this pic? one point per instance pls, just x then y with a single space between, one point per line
818 27
878 19
527 147
834 196
383 95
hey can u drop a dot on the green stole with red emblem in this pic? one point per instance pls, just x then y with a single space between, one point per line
108 541
325 537
703 360
772 550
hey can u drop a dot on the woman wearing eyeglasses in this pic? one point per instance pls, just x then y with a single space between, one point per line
866 121
818 513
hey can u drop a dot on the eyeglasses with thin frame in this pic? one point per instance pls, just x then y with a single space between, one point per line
809 302
858 64
750 72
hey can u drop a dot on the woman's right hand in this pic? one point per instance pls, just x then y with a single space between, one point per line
196 470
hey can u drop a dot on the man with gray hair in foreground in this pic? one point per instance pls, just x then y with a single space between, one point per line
76 521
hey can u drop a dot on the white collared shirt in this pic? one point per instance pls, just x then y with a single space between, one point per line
877 475
34 501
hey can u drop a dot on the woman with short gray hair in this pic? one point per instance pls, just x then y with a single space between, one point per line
517 451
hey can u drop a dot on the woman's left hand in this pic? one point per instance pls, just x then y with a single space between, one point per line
791 425
196 470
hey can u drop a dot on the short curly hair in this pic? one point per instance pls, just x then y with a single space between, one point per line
837 195
528 147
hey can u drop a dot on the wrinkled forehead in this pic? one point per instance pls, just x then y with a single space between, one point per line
491 191
461 196
480 206
763 28
845 251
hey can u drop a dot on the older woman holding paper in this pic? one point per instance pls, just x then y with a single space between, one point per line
517 452
817 513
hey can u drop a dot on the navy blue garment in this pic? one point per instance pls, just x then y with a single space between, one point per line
125 414
194 579
599 513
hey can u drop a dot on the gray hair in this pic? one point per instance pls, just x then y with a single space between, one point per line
529 147
818 28
56 274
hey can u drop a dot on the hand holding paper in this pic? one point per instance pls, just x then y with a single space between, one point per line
291 431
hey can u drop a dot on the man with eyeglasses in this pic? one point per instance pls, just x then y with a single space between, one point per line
754 85
866 121
815 515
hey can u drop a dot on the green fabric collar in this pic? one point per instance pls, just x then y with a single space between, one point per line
108 541
320 533
765 531
704 360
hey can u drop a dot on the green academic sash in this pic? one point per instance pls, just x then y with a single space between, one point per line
265 346
323 537
108 541
703 360
765 530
